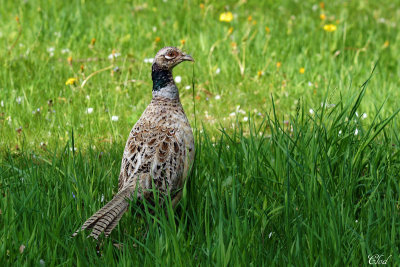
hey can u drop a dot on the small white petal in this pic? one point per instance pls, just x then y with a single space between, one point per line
218 71
113 55
270 234
64 51
311 111
364 116
102 198
178 79
233 114
88 97
89 110
245 119
187 87
356 132
114 118
2 103
217 97
340 132
148 60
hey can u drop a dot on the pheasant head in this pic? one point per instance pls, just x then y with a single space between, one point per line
168 57
164 61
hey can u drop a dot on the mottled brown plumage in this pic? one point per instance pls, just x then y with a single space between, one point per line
159 149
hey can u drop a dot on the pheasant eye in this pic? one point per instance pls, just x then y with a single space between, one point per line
170 55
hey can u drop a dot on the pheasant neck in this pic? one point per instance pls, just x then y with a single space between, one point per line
163 83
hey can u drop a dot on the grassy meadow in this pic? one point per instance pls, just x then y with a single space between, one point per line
294 106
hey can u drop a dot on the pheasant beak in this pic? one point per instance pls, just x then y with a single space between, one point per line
186 57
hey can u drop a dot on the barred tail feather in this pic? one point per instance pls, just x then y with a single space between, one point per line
105 219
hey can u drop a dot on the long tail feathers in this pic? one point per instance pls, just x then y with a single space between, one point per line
105 219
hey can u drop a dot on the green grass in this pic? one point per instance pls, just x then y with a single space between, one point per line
285 187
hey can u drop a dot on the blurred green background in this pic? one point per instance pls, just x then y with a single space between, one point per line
240 64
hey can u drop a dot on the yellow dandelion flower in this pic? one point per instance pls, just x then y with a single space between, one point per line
183 41
302 70
249 18
330 27
259 73
71 81
201 5
230 30
267 29
158 39
322 17
278 64
226 16
386 44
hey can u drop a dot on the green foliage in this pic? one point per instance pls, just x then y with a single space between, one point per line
303 193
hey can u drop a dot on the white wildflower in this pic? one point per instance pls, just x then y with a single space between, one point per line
340 132
310 84
2 103
364 116
113 55
187 87
233 114
245 119
356 132
65 50
148 60
50 50
88 97
217 97
178 79
114 118
311 111
89 110
154 28
217 71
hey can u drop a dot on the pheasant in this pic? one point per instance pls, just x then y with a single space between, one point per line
159 150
